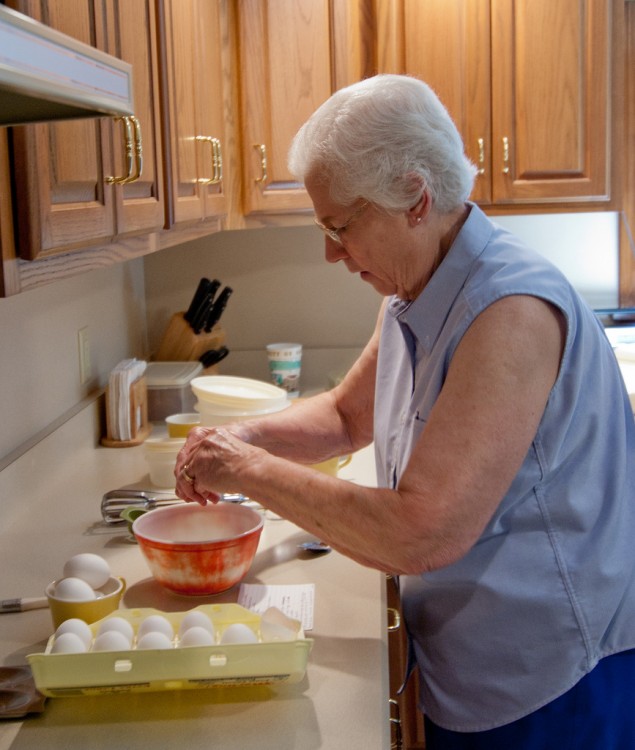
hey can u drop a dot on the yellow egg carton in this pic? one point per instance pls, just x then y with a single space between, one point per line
179 667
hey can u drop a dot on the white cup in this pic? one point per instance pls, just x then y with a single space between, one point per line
284 366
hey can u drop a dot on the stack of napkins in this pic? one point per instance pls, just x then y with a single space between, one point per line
123 423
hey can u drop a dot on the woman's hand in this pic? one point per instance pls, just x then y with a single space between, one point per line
210 464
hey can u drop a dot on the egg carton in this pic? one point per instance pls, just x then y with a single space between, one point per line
176 668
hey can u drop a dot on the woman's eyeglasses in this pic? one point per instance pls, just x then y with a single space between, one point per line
334 234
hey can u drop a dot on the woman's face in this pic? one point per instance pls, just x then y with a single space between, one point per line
385 250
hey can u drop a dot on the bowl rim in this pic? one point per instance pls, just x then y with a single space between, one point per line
195 507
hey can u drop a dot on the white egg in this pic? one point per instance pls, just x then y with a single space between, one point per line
77 627
154 639
238 633
197 636
118 624
89 567
68 643
156 623
73 590
111 640
196 618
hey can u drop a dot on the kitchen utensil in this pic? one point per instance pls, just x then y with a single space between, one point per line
23 604
196 550
88 611
315 545
115 501
199 306
213 356
217 309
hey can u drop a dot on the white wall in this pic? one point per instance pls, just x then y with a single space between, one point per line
39 364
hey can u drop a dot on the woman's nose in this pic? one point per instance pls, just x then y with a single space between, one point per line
333 251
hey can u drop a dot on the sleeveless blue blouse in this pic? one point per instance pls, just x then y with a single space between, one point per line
549 587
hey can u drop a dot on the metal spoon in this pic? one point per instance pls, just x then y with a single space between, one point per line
315 545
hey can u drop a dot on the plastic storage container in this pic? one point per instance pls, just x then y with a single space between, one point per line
169 390
161 456
223 398
178 667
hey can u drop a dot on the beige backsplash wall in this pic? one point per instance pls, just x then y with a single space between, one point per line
283 291
39 363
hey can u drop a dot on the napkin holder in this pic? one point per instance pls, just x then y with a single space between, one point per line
139 427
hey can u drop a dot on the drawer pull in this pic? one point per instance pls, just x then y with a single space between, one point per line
129 153
263 163
481 156
506 155
395 722
396 620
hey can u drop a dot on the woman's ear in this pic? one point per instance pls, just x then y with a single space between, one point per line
417 213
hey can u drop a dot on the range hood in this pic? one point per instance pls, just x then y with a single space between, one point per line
46 75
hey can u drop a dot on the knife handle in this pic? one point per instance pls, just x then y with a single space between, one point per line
217 309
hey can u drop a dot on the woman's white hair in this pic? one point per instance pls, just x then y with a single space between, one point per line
384 139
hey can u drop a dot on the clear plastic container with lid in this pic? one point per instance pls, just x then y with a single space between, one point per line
223 398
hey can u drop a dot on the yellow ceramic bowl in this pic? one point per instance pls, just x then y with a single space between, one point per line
109 597
180 424
333 465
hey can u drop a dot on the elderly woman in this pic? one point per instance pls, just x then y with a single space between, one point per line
504 440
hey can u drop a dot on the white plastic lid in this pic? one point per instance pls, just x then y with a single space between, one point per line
170 374
242 394
164 445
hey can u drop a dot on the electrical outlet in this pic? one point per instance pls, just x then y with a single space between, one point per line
83 346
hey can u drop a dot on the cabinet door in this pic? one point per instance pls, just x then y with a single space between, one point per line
293 55
195 108
526 82
61 199
406 718
550 100
132 28
64 196
446 44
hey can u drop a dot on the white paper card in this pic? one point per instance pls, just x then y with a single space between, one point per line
295 600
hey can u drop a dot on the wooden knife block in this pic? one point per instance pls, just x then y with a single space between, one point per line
181 344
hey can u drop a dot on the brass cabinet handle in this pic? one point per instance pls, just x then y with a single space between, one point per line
263 162
396 620
506 155
129 148
216 159
134 151
136 126
397 743
481 156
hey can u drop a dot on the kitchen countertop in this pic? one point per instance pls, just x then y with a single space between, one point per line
49 504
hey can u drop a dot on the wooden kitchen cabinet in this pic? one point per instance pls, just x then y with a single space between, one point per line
407 731
528 83
76 185
293 55
194 99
